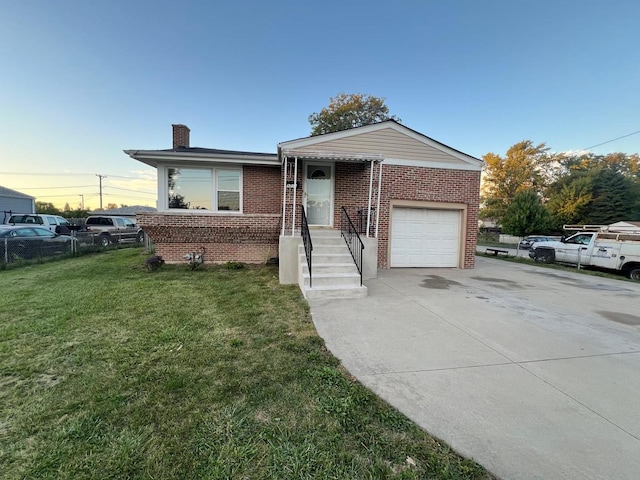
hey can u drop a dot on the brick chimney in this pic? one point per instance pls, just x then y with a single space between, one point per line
180 136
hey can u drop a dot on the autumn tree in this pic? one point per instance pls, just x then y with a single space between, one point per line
525 167
347 111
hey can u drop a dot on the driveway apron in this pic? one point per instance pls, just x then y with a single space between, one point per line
532 372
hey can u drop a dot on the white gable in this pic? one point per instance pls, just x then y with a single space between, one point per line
398 145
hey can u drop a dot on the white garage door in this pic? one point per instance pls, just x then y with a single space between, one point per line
422 237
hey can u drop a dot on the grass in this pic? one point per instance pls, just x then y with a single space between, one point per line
110 371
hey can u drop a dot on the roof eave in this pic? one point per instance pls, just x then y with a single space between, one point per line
155 157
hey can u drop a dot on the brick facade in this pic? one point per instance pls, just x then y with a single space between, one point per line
430 185
249 238
403 183
262 190
253 236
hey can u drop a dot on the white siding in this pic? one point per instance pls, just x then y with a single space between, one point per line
390 143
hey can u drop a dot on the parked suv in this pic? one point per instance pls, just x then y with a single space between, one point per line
111 229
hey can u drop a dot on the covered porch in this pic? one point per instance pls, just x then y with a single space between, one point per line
324 192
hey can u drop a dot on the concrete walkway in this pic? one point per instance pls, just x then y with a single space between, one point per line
533 372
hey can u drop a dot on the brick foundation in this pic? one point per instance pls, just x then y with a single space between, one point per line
248 238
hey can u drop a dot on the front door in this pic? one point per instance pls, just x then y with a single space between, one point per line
318 193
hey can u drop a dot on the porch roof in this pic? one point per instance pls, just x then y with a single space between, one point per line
202 155
327 155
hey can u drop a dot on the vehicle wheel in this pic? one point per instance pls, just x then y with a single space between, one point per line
140 237
545 255
104 240
634 273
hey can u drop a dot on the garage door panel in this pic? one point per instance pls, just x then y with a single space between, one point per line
422 237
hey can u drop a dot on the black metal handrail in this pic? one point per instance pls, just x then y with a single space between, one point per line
350 234
306 239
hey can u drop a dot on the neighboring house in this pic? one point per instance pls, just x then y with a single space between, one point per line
414 200
128 212
12 201
625 226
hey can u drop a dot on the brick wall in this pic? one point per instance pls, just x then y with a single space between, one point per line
410 184
262 189
249 238
429 185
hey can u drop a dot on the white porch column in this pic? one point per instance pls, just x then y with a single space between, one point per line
370 194
379 188
295 196
284 193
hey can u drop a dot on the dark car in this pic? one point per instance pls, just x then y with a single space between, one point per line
18 242
525 243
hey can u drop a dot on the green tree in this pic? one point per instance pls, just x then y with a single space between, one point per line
75 213
596 190
347 111
613 198
525 215
47 207
525 167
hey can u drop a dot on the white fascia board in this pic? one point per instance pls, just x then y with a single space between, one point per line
154 158
428 164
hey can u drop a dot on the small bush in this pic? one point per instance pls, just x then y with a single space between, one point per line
234 265
154 263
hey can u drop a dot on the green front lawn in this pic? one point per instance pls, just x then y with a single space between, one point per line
110 371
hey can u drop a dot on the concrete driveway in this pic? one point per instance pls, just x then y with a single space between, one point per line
533 372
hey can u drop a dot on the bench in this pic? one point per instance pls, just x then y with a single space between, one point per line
496 251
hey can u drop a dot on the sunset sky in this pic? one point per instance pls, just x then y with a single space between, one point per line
81 81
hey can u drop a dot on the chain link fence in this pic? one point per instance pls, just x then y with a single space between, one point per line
14 249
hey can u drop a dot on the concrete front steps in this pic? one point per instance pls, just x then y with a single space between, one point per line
334 274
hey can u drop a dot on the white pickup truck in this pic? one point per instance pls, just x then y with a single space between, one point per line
611 250
55 223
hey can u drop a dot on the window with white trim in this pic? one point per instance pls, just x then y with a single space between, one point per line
213 189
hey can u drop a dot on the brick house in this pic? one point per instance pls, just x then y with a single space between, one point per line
413 201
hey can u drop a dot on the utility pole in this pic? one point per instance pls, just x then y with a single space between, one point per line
82 197
100 177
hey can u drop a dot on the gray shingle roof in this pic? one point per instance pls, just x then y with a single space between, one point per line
7 192
124 210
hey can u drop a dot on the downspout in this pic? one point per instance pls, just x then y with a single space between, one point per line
379 189
284 193
370 194
295 194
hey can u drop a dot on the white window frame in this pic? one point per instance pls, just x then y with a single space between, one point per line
163 189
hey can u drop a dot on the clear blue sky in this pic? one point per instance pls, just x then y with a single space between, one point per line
83 80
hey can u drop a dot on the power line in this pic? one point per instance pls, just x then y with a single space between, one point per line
125 196
612 140
67 174
129 190
50 188
68 195
45 174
